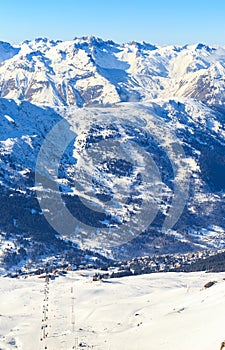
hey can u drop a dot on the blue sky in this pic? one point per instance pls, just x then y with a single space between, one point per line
159 21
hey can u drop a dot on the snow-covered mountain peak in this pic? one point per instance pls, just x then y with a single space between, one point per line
90 70
7 51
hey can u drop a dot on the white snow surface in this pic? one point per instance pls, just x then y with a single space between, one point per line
164 311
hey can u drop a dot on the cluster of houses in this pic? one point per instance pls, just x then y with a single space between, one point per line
157 263
139 265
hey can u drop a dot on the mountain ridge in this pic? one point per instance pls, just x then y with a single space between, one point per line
89 70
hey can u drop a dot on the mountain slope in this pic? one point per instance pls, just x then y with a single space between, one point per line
109 194
143 175
168 310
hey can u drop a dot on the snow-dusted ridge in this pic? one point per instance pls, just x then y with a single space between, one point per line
89 70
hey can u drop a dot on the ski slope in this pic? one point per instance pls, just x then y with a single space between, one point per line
163 311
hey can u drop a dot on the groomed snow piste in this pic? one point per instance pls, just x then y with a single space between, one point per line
165 311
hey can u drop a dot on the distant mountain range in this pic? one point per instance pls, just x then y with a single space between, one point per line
90 71
145 97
